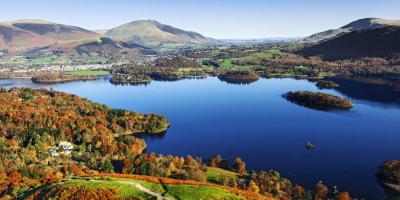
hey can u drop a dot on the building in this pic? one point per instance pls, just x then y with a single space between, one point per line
64 148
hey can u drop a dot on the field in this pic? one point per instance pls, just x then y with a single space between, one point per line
229 63
213 175
54 60
88 72
129 188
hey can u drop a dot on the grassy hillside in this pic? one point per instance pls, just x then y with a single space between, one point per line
124 188
216 175
234 62
27 34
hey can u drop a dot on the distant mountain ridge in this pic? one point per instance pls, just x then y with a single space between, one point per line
151 32
32 33
376 42
370 23
361 24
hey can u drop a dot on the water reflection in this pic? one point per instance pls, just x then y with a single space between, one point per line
373 89
147 136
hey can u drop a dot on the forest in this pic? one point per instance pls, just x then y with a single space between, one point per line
239 77
163 68
48 78
326 84
388 176
33 121
318 100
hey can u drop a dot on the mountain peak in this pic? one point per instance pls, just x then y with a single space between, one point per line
30 21
144 21
369 23
360 24
151 32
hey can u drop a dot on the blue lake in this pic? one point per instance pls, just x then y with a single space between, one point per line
253 121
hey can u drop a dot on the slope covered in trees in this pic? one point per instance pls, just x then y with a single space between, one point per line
70 115
389 177
35 122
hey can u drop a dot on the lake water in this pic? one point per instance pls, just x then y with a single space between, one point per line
253 121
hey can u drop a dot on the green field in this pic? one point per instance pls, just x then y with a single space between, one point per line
189 192
214 175
128 188
124 190
229 63
54 60
88 72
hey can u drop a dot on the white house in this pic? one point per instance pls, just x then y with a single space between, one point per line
63 147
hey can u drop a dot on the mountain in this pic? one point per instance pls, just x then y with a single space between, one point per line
152 33
32 33
376 42
96 47
361 24
107 46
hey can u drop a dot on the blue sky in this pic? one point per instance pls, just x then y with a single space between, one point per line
214 18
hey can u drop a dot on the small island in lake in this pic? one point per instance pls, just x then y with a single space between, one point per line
48 78
388 176
326 84
133 79
318 100
239 77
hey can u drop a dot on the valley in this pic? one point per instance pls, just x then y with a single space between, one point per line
287 118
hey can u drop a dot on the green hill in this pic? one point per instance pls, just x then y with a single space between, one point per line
124 188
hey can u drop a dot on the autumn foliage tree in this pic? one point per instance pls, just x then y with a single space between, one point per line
321 191
342 196
215 161
253 187
298 192
238 165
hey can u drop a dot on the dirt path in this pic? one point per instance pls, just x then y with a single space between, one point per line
142 188
145 190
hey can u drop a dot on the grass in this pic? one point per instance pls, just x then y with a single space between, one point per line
214 174
126 190
189 192
44 60
152 186
88 72
123 190
286 75
54 60
228 63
